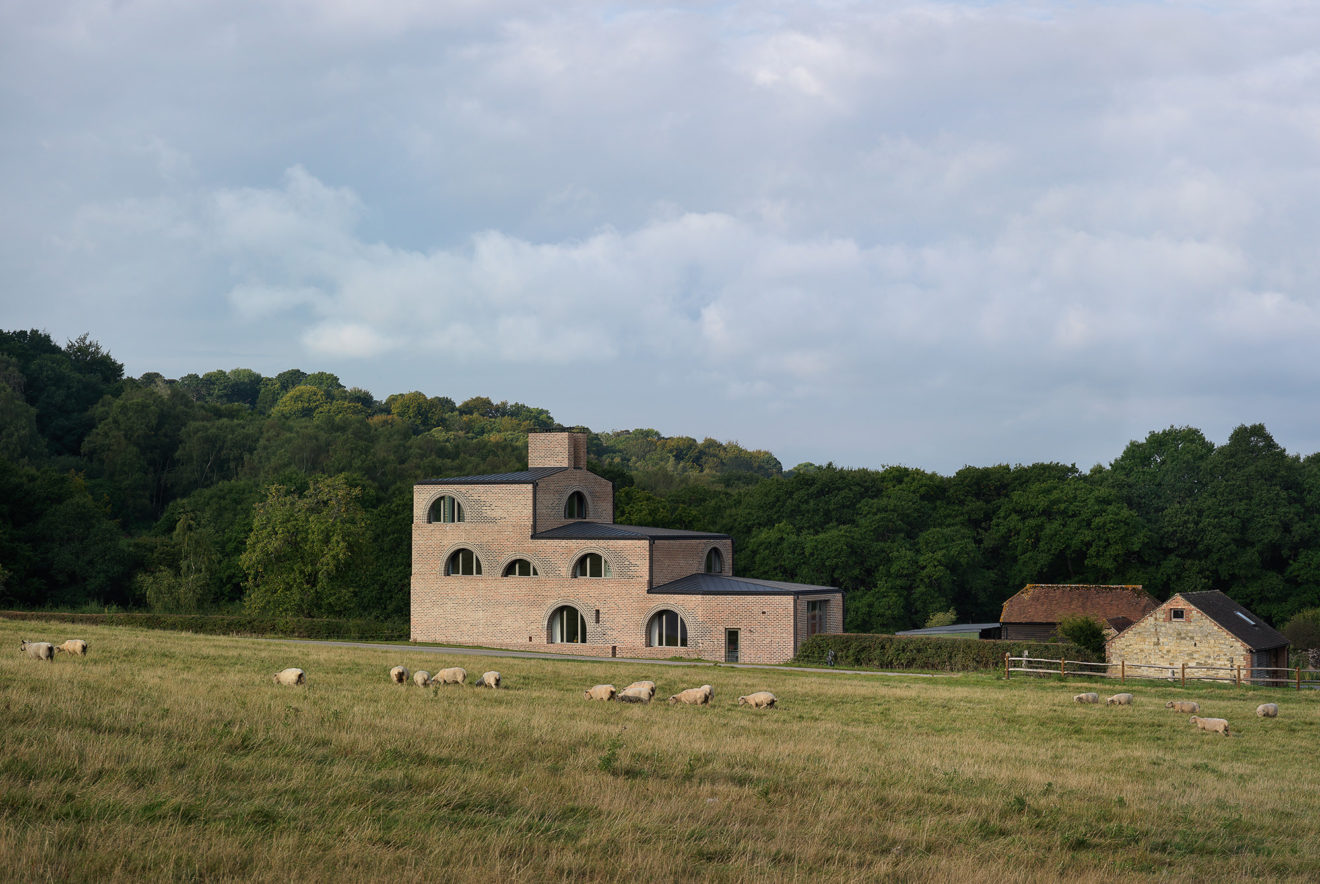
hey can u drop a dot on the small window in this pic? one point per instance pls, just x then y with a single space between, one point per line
1177 614
576 506
567 625
591 565
520 568
1245 617
714 561
817 616
666 630
446 509
464 563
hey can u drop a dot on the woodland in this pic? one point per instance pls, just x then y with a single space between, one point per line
291 495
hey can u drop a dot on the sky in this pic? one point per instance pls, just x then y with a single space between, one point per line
932 234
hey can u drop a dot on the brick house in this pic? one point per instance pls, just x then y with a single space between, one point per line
533 559
1034 612
1200 629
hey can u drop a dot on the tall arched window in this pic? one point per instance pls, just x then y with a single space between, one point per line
520 568
591 565
446 509
576 506
714 561
666 630
567 625
463 562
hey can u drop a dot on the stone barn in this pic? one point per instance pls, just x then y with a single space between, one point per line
533 560
1034 612
1200 629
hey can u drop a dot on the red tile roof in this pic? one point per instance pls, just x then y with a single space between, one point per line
1051 602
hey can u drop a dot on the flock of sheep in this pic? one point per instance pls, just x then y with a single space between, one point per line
1213 725
47 651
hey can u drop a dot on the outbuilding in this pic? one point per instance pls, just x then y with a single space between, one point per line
1035 611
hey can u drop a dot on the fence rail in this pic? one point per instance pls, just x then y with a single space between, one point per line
1258 676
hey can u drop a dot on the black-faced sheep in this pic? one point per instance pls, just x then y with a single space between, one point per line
1090 697
1267 710
600 692
1214 725
399 675
291 676
488 680
1183 706
454 675
694 696
75 646
758 700
1119 700
421 678
38 650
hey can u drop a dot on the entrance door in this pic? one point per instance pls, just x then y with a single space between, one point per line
730 646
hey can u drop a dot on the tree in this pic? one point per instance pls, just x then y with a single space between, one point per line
1303 630
1083 631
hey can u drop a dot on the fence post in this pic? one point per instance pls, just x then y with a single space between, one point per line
1063 673
1006 665
1122 672
1299 678
1237 678
1184 675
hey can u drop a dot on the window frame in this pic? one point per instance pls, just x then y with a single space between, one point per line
449 506
558 623
605 569
510 568
716 554
458 555
817 615
577 503
657 629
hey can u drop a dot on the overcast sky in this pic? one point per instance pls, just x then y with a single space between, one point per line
921 233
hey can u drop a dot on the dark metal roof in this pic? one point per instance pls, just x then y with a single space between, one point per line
718 584
610 531
974 629
1244 625
523 477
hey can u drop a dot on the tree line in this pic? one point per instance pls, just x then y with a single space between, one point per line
292 495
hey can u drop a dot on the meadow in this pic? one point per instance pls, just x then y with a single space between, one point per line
170 756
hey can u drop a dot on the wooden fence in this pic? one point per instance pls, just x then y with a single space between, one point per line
1259 676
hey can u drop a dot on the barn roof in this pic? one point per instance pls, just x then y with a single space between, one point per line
1251 630
1051 602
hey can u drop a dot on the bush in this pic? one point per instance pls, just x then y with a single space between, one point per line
1303 630
862 651
1083 631
231 624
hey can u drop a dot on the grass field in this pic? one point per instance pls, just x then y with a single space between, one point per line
170 756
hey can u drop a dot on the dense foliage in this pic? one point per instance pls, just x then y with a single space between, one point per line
937 653
291 495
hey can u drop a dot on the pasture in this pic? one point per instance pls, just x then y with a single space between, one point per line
170 756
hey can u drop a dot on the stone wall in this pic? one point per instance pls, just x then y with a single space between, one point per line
1195 640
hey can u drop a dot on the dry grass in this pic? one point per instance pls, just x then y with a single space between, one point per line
164 755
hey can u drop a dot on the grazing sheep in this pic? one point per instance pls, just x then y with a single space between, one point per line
399 675
421 678
1091 697
695 696
1183 706
1214 725
648 686
38 650
73 646
600 692
635 695
291 676
454 675
758 700
488 680
1267 710
1119 700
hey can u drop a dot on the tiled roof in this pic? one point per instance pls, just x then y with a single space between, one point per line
718 584
1246 626
1051 602
610 531
523 477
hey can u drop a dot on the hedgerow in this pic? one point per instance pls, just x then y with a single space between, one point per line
866 651
234 624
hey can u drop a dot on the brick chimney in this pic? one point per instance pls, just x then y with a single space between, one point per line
557 450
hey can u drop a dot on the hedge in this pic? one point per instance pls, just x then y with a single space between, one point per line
234 624
864 651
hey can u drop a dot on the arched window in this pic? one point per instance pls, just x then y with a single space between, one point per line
591 565
714 561
576 506
567 625
463 562
666 630
446 509
520 568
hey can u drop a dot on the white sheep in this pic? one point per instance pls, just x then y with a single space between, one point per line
488 680
1267 710
1183 706
1119 700
1214 725
635 695
421 678
758 700
600 692
453 675
1090 697
73 646
695 696
648 686
291 676
38 650
399 675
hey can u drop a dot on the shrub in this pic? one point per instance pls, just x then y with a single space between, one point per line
863 651
234 624
1303 630
1083 631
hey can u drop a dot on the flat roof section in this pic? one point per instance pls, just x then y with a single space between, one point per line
718 584
610 531
522 477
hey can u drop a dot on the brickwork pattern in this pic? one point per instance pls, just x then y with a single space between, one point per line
553 491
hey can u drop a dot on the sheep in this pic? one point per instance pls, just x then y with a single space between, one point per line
758 700
695 696
1267 710
38 650
73 646
454 675
1183 706
488 680
291 676
1091 697
1119 700
399 675
648 686
635 695
600 692
421 678
1214 725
